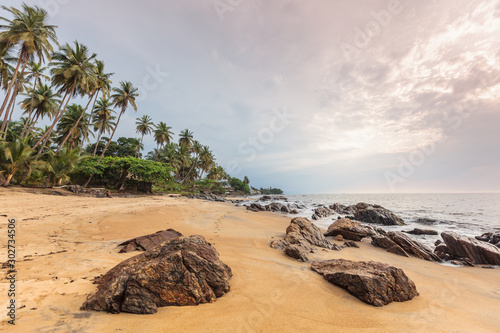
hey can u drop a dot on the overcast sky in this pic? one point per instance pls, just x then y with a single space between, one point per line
312 96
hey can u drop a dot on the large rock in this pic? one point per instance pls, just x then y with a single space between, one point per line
399 243
183 271
372 282
322 212
463 247
417 231
490 237
348 229
148 242
375 214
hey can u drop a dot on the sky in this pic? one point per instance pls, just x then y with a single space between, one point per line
313 96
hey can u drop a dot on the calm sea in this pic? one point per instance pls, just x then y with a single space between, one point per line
467 214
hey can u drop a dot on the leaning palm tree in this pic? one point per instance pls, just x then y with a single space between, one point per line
36 74
103 119
6 68
144 126
61 165
30 32
20 87
122 97
162 134
207 160
66 127
14 156
71 69
44 104
186 138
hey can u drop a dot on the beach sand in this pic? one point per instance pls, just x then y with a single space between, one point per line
63 242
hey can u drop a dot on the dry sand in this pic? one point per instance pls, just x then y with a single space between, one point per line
63 242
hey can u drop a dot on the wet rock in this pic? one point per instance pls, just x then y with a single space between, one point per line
372 282
322 212
389 245
184 271
490 237
255 207
398 243
463 247
148 242
375 214
348 229
417 231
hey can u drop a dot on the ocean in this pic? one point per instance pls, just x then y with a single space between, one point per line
469 214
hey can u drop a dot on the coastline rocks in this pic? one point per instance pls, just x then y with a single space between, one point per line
269 198
208 196
348 229
301 234
417 231
375 214
273 207
490 237
322 212
398 243
463 247
183 271
372 282
149 242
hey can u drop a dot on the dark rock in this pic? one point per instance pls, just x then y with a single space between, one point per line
148 242
184 271
348 229
274 207
349 243
297 252
412 247
255 207
389 245
436 243
372 282
417 231
442 252
265 198
490 237
322 212
375 214
478 252
294 212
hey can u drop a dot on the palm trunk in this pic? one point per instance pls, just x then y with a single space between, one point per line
25 127
97 143
9 177
32 125
11 108
13 81
92 113
112 134
74 126
11 105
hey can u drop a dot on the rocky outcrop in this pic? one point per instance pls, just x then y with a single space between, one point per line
375 214
417 231
322 212
149 242
208 196
351 230
183 271
270 198
272 207
490 237
372 282
301 236
462 247
399 243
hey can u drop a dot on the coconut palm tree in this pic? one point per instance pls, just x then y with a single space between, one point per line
20 87
186 138
122 97
36 74
44 104
29 31
66 127
103 119
15 156
60 165
206 160
5 68
71 69
144 126
162 134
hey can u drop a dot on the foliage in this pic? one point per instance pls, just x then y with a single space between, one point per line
238 185
270 190
123 147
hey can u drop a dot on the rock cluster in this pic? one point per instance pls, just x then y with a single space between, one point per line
148 242
372 282
322 212
399 243
273 207
467 249
351 230
490 237
208 196
301 236
183 271
98 193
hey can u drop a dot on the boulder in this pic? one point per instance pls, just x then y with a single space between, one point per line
490 237
348 229
350 243
372 282
463 247
297 252
183 271
339 238
417 231
322 212
398 243
375 214
255 207
148 242
389 245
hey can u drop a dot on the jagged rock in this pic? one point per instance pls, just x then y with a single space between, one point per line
209 197
463 247
274 207
375 214
148 242
294 212
436 243
75 188
441 251
297 252
417 231
269 198
389 245
462 262
349 243
490 237
183 271
372 282
342 209
322 212
255 207
348 229
265 198
398 243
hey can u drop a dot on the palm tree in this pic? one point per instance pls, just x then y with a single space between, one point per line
162 134
60 165
5 67
122 97
144 126
206 160
66 127
102 119
44 104
186 138
29 31
72 69
19 87
14 156
36 74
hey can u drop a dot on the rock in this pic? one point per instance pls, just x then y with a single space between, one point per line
490 237
297 252
442 252
148 242
463 247
265 198
372 282
75 188
255 207
349 243
436 243
389 245
417 231
294 212
208 196
183 271
322 212
339 238
375 214
274 207
462 262
351 230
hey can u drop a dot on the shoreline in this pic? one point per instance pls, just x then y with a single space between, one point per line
269 291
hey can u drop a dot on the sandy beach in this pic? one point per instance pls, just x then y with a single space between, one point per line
63 242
